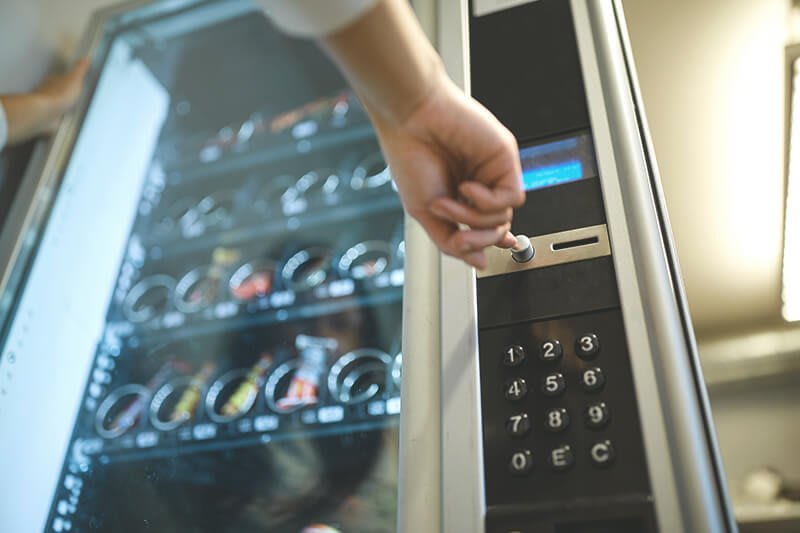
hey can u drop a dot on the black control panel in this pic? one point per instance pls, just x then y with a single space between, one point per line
562 440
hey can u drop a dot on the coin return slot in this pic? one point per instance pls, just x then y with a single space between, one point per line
556 246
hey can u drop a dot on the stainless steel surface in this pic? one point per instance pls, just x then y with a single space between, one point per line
463 501
694 476
546 253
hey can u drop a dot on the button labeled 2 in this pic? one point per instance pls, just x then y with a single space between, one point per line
550 351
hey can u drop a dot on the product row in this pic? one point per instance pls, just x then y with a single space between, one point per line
227 280
181 393
264 128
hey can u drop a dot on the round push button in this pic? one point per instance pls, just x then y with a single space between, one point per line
587 346
557 420
602 453
518 425
593 379
561 458
521 462
516 389
513 355
597 415
550 351
553 384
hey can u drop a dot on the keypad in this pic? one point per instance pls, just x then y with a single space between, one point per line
556 371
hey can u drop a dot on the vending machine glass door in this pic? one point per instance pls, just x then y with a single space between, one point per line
204 332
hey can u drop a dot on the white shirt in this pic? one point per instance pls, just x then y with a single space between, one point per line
313 18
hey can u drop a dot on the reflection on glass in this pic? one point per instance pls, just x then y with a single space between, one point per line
248 374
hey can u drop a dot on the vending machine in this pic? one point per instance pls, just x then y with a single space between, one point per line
206 295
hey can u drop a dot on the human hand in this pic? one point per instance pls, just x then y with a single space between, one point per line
61 92
455 164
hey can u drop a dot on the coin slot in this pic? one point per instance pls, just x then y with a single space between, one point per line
556 246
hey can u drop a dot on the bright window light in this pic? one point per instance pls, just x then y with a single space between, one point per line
791 246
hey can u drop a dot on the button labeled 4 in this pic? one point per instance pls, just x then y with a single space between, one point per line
516 389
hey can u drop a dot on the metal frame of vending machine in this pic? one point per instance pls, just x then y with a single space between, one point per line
501 473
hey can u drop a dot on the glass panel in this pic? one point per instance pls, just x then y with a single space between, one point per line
208 338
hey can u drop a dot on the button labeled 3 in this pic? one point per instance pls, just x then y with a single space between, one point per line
587 346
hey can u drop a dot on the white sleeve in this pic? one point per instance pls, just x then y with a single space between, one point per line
313 18
3 127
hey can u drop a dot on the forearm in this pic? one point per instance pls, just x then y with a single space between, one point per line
28 115
387 59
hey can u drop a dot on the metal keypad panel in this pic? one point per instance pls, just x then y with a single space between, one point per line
559 420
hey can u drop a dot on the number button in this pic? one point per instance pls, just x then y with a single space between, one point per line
592 379
550 351
553 384
561 458
516 389
518 425
597 415
513 355
602 454
521 462
587 346
557 420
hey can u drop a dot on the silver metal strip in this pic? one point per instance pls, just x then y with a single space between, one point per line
548 253
463 499
419 492
681 473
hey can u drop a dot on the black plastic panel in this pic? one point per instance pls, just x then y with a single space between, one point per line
563 207
547 292
525 69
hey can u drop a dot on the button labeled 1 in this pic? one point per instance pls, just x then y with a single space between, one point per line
513 355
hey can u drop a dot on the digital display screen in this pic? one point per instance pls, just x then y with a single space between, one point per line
560 161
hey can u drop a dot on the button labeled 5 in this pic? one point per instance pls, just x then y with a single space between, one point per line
553 384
